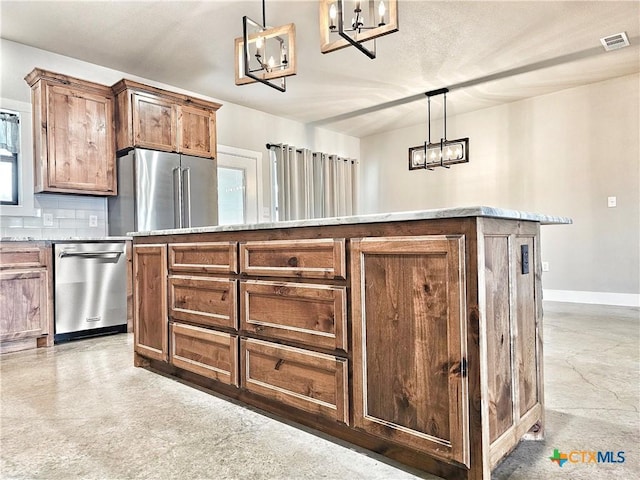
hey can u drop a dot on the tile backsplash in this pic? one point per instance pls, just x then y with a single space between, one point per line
61 216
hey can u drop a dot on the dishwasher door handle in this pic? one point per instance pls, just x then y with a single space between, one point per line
104 253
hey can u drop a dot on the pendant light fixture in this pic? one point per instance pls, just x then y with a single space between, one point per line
264 54
349 22
443 153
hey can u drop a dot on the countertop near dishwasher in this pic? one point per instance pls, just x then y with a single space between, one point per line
65 239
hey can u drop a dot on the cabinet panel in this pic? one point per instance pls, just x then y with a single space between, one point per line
207 301
154 123
150 301
23 304
310 381
499 356
205 352
197 131
311 314
211 257
411 292
526 338
81 143
16 256
322 258
73 135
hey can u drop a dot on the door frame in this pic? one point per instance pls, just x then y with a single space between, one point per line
257 157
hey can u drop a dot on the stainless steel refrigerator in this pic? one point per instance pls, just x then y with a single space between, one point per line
161 190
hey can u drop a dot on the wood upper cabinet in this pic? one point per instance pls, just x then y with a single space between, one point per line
150 117
74 135
409 342
151 334
26 313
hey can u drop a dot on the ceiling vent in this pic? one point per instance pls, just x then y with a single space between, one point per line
614 42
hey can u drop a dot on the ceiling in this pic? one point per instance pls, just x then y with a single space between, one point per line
493 52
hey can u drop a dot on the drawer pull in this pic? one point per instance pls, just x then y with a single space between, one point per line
293 262
279 364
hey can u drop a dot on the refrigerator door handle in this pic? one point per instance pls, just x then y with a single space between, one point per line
177 198
186 194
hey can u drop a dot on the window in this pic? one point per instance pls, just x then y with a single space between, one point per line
9 149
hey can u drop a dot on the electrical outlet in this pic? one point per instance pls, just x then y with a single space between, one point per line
612 202
47 219
93 220
545 266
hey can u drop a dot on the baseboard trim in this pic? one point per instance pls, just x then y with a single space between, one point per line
600 298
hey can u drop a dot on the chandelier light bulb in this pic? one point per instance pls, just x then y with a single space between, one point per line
271 62
332 16
381 11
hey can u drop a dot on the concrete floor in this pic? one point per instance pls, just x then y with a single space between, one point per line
81 410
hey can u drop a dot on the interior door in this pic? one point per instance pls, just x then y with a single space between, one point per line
240 186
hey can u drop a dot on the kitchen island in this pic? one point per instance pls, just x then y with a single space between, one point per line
417 335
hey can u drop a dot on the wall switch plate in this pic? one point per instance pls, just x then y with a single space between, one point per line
612 202
93 220
524 250
47 219
545 266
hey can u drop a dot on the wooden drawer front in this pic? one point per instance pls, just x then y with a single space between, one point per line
209 301
22 256
213 257
310 314
310 381
205 352
323 258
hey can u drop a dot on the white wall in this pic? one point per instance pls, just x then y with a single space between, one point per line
562 154
237 126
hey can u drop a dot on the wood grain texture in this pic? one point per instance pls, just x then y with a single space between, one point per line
23 303
124 120
150 301
154 123
308 258
151 117
313 382
315 315
205 352
526 342
498 334
206 257
22 255
74 135
129 252
203 300
410 292
196 131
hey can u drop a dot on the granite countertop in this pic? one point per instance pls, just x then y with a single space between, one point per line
457 212
66 239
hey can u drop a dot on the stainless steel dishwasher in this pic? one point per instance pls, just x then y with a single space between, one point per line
90 284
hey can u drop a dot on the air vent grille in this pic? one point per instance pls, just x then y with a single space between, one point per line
614 42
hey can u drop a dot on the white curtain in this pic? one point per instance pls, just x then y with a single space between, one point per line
311 184
9 132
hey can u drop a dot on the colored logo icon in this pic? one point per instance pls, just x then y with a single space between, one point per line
559 458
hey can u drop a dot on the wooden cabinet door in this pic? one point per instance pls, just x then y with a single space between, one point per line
150 301
197 131
80 141
23 304
410 291
154 123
